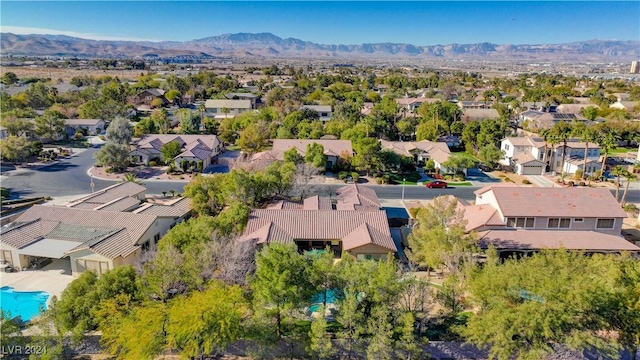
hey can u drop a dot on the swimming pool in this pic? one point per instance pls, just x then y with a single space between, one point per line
318 299
26 304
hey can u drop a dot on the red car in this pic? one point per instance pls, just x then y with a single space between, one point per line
439 184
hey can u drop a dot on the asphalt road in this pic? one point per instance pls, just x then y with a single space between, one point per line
69 177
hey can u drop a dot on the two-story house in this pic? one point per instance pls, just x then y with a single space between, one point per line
411 105
253 98
519 220
526 156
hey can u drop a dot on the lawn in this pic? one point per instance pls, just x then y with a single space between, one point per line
621 150
409 179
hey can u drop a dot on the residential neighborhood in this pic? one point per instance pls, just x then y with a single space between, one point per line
249 204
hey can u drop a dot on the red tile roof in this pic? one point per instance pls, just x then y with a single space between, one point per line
554 239
354 228
568 202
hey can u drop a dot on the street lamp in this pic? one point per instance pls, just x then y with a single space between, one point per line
92 184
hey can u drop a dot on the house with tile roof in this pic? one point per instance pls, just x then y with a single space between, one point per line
478 114
144 98
99 232
352 222
324 111
527 156
411 104
227 108
519 220
420 151
92 126
205 148
333 149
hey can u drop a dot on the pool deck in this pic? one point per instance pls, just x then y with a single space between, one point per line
53 278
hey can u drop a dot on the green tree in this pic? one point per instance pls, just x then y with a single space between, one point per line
457 163
50 125
607 142
407 344
380 344
133 178
292 156
618 171
440 238
629 177
204 323
590 113
277 285
119 131
528 306
17 126
253 138
315 155
113 155
491 154
367 157
193 231
320 346
170 150
587 134
161 120
280 176
189 122
9 78
562 131
15 149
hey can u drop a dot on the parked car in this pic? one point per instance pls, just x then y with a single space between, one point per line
484 167
439 184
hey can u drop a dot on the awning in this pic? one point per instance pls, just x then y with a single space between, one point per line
50 248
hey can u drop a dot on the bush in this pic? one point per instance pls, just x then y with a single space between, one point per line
109 170
502 176
631 208
526 182
78 135
379 180
582 183
578 174
570 183
342 175
355 177
559 180
152 163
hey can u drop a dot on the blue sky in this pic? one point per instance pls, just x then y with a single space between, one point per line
335 22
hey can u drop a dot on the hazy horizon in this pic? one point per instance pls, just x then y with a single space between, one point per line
337 22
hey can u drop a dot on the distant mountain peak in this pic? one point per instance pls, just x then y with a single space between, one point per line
265 45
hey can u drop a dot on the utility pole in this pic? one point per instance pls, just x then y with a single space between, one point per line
403 183
92 184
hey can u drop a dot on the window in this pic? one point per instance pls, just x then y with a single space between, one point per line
156 238
145 246
520 222
506 146
559 223
605 223
578 220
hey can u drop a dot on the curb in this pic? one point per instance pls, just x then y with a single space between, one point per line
143 180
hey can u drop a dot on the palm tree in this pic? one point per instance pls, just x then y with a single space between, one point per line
618 171
553 140
562 131
544 133
588 134
131 177
607 143
202 109
629 176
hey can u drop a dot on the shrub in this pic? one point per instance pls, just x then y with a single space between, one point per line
78 135
152 163
109 170
526 182
355 176
342 175
570 183
631 208
559 180
380 180
578 174
582 183
502 176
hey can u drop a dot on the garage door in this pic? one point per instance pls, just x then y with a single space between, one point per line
531 170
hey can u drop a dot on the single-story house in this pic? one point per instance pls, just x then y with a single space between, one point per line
144 98
333 149
324 111
353 223
227 108
253 98
205 148
97 240
93 126
478 114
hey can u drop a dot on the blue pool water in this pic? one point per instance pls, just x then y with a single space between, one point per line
318 299
26 304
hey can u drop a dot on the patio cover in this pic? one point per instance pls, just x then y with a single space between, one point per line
50 248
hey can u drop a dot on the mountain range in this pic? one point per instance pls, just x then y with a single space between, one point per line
267 45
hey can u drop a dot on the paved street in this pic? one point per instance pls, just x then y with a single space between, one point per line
69 177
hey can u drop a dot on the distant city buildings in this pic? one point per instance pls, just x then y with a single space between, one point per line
635 67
